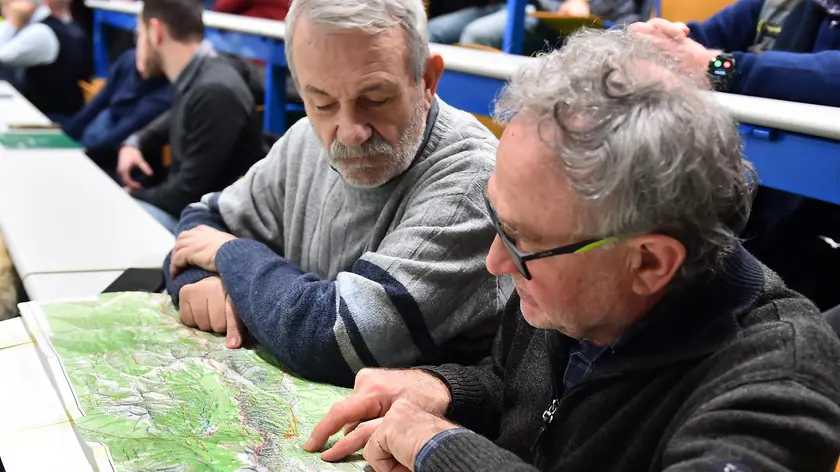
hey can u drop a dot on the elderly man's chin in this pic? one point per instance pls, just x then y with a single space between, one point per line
533 314
363 176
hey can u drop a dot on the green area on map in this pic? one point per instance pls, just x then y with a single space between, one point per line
162 396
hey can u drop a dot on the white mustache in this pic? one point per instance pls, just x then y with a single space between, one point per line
373 146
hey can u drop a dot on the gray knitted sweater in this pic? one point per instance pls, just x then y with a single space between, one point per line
332 278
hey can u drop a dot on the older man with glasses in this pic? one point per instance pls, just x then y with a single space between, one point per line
648 339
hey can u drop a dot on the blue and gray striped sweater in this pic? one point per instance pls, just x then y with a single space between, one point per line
333 278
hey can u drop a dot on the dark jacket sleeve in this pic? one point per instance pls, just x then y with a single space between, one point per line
77 125
477 391
779 425
731 29
795 77
215 120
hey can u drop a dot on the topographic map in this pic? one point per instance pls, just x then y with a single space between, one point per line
163 397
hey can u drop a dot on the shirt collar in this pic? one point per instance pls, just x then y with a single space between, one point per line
190 72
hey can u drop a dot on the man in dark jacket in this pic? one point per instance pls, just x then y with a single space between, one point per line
212 127
643 337
127 103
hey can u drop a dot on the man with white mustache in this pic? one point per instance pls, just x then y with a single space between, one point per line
360 239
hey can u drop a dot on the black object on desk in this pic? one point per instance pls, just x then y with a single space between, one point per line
138 280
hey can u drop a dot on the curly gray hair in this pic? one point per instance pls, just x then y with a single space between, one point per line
645 147
372 16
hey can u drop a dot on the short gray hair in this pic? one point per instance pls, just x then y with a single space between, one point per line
371 16
643 144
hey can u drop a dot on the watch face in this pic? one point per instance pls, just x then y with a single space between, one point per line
721 69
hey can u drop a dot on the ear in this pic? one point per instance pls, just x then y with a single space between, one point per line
654 260
155 31
431 77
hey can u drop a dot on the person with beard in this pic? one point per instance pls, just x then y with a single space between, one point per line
360 239
212 127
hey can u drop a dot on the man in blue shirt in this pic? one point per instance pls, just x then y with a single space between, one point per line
41 57
801 66
125 105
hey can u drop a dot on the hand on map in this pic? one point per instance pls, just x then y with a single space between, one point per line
374 393
673 40
197 247
574 8
400 436
206 305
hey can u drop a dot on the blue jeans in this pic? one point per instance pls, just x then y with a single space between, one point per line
165 219
485 26
447 29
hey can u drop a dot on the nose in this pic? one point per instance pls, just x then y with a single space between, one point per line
498 260
352 131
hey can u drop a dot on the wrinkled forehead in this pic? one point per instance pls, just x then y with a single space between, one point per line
528 185
323 54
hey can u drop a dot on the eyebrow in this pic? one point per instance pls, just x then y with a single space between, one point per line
380 87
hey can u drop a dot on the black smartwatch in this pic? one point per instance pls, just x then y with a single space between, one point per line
721 70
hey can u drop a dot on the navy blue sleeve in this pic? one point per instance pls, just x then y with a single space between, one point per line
204 213
77 125
296 322
149 108
796 77
731 29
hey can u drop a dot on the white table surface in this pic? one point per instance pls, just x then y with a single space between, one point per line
14 108
63 286
32 419
60 213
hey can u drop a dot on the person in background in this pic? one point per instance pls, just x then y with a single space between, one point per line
485 24
41 57
796 63
785 50
360 239
125 104
212 127
642 336
269 9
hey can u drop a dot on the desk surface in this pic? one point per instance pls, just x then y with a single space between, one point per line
63 286
34 422
60 213
16 109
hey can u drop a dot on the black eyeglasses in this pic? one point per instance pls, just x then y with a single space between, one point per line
520 258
